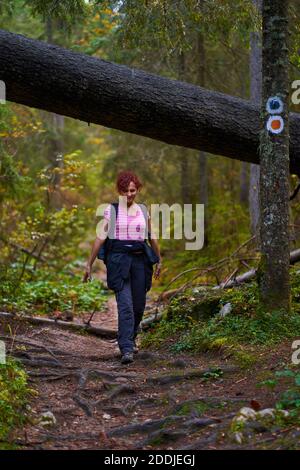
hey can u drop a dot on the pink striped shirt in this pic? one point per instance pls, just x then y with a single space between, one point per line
128 227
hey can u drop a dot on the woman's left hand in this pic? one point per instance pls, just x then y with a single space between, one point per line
157 270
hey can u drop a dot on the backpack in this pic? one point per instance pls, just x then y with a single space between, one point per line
102 254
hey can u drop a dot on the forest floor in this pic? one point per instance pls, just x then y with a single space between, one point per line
160 401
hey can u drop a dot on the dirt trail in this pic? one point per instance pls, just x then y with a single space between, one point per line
161 401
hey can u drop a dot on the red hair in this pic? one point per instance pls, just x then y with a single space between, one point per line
125 178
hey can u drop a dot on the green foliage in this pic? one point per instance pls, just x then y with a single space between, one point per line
238 332
290 398
287 381
57 293
12 183
68 11
7 7
169 23
213 374
14 393
9 282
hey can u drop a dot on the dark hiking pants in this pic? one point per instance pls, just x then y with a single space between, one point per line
131 301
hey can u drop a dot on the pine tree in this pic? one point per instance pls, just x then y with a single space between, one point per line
273 273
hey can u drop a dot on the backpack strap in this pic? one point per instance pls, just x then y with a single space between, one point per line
102 254
145 213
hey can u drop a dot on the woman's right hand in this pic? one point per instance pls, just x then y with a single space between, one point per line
87 274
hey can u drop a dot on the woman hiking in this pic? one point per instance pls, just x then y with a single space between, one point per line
129 259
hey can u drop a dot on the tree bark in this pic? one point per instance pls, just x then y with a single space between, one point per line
255 93
183 154
244 169
55 140
55 79
202 157
244 183
274 160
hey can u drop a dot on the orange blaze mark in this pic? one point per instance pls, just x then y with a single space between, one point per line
276 124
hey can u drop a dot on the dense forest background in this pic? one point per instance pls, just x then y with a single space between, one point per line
55 171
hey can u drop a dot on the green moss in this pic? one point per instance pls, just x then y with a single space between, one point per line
246 325
199 406
245 359
13 397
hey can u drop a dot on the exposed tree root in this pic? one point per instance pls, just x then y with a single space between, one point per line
212 401
84 405
145 427
15 339
162 436
121 390
190 374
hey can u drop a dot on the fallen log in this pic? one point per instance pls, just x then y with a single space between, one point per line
102 332
131 100
247 276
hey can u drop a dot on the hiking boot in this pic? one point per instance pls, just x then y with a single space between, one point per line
127 358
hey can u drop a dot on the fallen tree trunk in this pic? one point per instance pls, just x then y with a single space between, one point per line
294 258
60 324
58 80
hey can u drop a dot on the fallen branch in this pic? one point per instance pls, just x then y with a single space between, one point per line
102 332
23 250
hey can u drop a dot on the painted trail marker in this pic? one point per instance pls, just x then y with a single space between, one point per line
275 124
274 107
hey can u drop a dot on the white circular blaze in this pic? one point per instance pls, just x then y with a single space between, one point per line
275 124
274 105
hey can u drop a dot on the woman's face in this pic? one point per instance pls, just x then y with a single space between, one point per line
130 193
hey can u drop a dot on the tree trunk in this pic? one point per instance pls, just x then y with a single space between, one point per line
255 93
244 186
119 97
56 144
244 170
184 153
274 159
202 161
